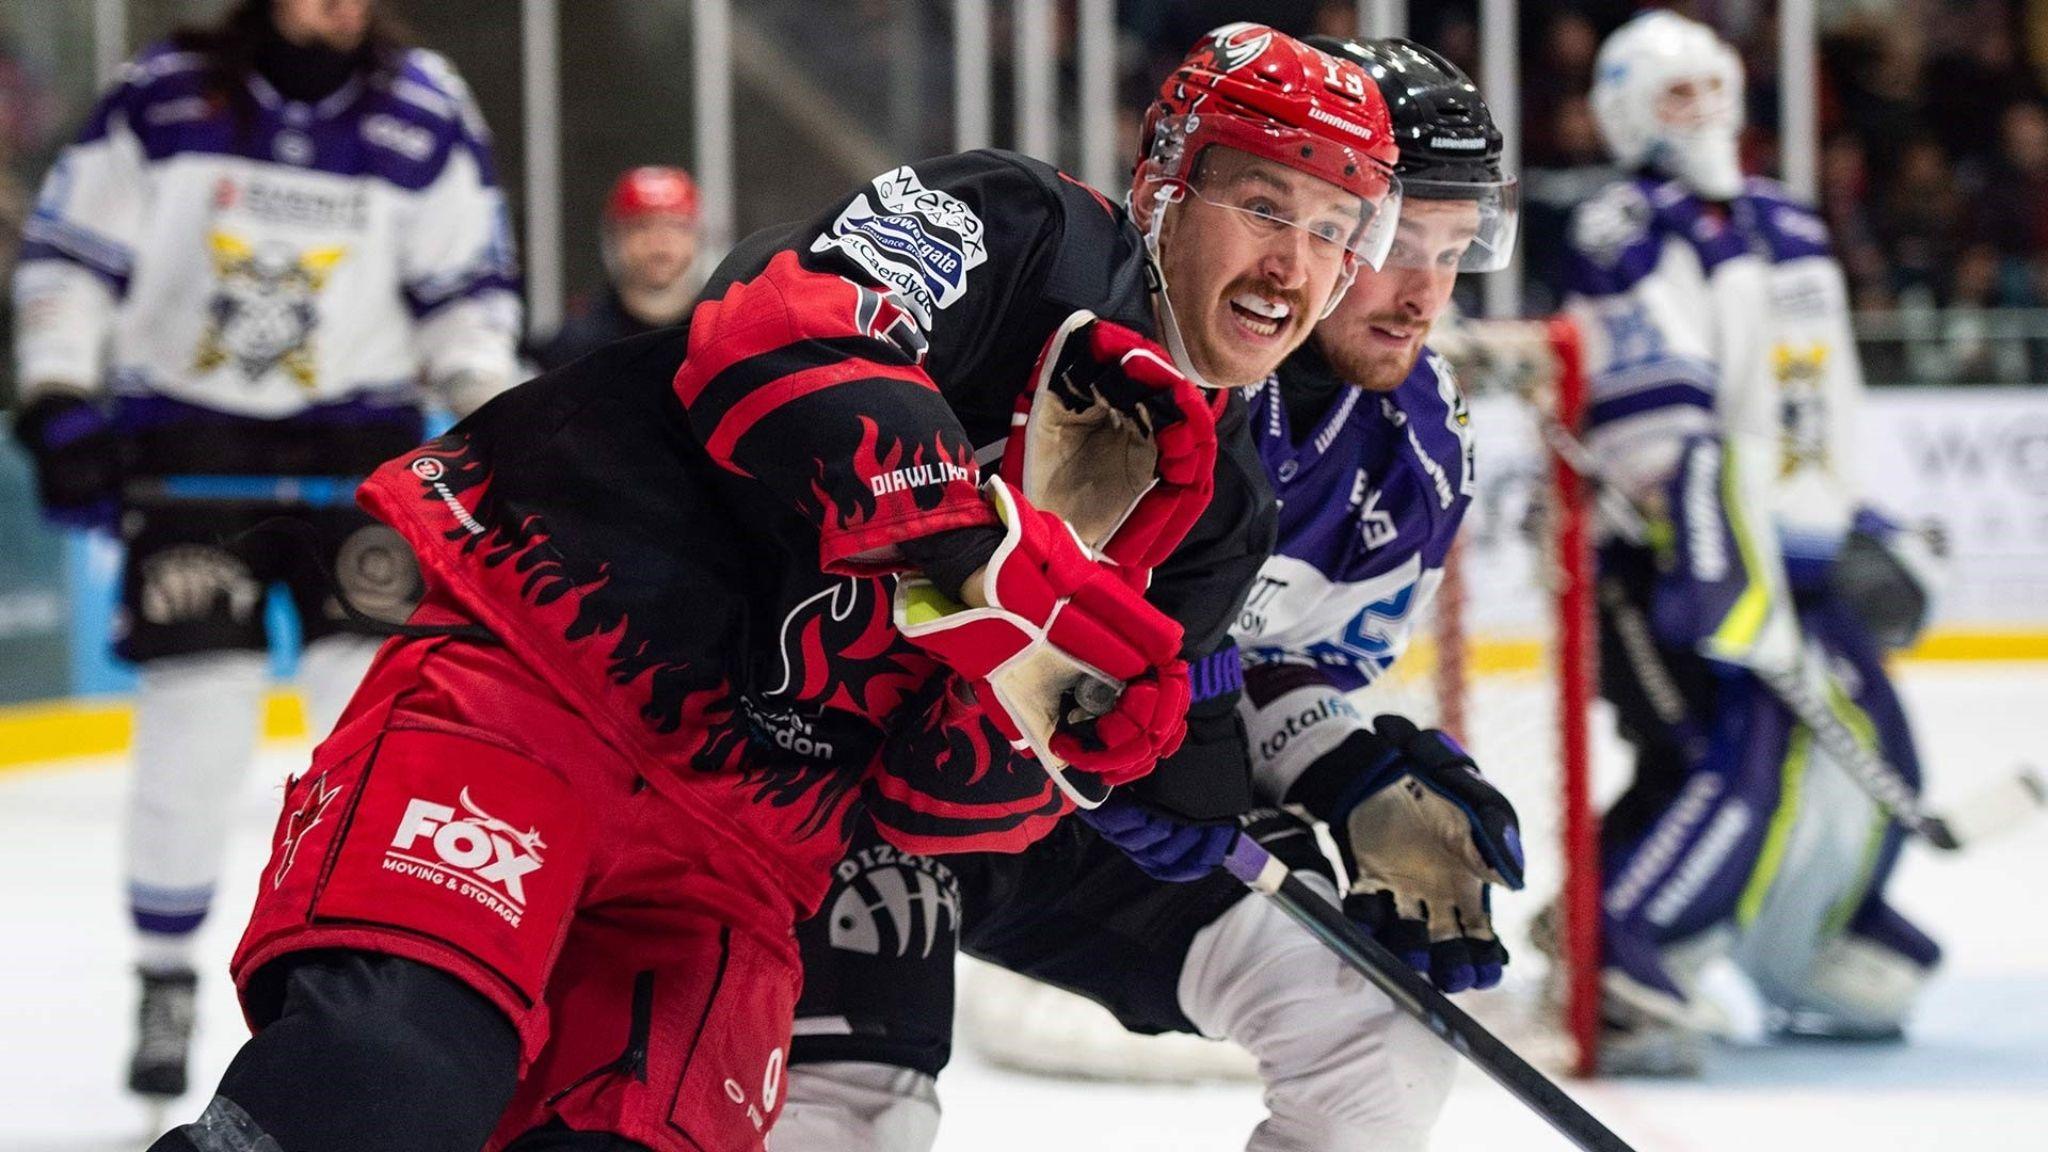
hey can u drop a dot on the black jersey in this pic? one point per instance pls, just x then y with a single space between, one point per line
606 322
691 532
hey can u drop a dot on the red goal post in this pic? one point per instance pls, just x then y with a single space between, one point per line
1519 687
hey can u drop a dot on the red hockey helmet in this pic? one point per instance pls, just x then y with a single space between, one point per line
1262 92
651 191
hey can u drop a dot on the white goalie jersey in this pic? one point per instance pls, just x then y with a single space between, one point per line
1726 326
265 264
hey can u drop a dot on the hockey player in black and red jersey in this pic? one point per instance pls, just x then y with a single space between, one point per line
702 601
1363 433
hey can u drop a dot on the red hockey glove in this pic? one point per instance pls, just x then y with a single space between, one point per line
1116 440
1057 618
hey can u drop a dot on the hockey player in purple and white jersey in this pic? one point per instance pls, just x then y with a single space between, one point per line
1364 440
265 238
1724 384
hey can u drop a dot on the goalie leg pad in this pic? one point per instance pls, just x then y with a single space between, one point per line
1343 1068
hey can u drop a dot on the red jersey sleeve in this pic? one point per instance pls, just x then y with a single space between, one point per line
813 384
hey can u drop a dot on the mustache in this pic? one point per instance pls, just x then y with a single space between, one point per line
1296 301
1397 320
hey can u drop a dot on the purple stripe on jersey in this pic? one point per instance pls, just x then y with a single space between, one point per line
73 242
168 924
1216 674
42 250
1675 394
423 301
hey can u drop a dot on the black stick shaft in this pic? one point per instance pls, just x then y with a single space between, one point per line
1414 994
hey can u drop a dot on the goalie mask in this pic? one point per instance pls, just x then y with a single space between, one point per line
1450 148
1667 95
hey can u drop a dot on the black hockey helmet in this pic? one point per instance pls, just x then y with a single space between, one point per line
1450 147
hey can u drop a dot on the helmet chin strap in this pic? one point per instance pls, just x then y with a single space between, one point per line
1169 324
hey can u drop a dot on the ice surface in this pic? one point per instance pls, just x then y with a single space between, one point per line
1974 1076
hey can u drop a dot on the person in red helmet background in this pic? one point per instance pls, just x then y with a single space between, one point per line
650 246
705 603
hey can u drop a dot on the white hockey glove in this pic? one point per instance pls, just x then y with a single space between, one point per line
1059 623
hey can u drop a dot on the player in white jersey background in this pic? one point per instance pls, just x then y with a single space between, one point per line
1724 385
1362 432
267 237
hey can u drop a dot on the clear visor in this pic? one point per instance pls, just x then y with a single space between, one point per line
1273 199
1467 227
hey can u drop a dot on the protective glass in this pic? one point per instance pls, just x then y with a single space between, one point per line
1481 241
1337 224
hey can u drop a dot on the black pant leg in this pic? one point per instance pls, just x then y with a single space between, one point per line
357 1051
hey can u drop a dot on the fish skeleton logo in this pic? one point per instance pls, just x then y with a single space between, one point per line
477 855
893 904
262 314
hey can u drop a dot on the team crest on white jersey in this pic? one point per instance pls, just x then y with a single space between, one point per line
263 312
1802 400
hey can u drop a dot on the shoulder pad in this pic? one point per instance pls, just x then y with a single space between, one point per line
428 85
157 62
1616 219
1431 408
1794 228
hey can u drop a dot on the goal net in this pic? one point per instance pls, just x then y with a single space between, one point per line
1504 660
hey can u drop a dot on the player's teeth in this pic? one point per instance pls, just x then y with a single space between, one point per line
1254 303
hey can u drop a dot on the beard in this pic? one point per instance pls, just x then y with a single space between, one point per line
1360 357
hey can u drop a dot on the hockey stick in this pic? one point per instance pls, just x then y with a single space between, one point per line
1413 994
1993 810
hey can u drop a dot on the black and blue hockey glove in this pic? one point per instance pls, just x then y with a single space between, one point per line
1423 835
77 459
1163 846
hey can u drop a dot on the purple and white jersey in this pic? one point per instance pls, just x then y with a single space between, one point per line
1369 505
1730 321
317 255
1726 325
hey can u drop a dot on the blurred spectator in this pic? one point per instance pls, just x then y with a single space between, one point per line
650 246
2011 212
1916 220
1561 79
1969 79
1845 203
